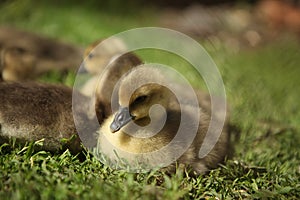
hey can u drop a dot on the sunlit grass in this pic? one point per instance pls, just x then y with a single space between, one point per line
262 87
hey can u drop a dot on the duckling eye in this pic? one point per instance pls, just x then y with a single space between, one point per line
91 56
140 99
18 50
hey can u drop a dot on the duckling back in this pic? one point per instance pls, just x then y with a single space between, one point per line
33 111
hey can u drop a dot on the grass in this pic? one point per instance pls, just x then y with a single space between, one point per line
262 88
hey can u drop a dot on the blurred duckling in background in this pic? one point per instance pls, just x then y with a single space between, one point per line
17 64
119 137
33 111
97 56
107 64
25 55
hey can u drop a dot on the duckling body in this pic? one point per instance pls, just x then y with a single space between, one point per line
33 111
128 134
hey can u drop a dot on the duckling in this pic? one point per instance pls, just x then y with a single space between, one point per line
103 81
17 64
25 55
97 57
135 132
109 79
33 111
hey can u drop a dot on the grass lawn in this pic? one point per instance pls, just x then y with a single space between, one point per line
263 91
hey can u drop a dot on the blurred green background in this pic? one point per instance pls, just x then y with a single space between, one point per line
262 86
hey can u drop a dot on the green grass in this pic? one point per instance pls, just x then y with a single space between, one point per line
263 92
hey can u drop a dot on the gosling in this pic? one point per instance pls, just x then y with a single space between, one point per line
26 56
106 68
127 134
97 56
34 111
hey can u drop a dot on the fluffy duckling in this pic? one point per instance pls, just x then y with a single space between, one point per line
97 57
26 55
17 64
109 79
34 111
107 68
136 133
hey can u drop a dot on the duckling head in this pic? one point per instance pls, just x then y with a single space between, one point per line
139 91
17 63
100 53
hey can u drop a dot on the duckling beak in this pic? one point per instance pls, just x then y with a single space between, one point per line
122 118
82 69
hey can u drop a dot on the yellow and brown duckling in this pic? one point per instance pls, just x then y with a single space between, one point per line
126 134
